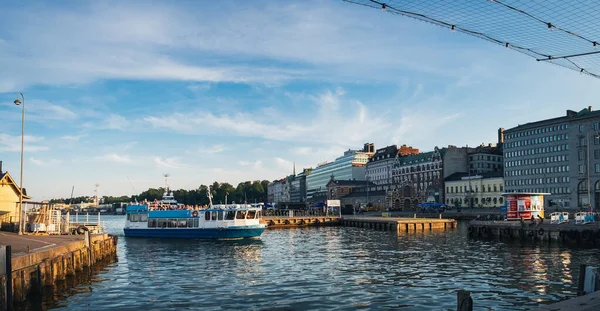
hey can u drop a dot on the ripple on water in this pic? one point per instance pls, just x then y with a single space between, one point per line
326 268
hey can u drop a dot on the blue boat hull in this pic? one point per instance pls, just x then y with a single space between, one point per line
184 233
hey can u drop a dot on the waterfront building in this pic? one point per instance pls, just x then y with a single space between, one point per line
406 150
298 186
9 201
486 159
420 178
551 156
350 166
379 168
482 190
275 191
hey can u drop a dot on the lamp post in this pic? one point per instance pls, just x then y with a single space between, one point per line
18 102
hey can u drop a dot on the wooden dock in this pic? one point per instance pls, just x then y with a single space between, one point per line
541 232
278 222
399 224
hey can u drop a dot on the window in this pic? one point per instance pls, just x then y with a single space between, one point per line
581 128
597 168
582 169
251 214
581 155
240 215
230 215
207 216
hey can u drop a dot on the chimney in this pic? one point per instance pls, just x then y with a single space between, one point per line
0 167
501 135
589 108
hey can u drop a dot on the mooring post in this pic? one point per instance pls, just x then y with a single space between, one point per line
581 281
8 271
464 302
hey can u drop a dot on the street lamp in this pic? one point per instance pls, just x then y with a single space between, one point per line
18 102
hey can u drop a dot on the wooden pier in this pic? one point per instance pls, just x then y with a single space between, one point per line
541 232
399 224
277 222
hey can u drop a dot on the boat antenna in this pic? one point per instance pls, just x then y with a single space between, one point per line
132 187
209 196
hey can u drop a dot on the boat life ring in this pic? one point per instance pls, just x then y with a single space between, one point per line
506 231
541 231
195 214
470 229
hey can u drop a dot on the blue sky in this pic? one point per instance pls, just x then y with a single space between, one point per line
239 90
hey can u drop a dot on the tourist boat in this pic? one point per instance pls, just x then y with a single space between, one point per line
231 221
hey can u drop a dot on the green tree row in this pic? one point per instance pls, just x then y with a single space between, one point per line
248 191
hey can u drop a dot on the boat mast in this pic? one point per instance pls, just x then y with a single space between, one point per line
209 196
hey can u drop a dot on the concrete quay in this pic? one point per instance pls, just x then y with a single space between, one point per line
589 302
537 232
39 261
399 224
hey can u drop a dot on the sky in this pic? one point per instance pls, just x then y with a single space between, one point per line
119 93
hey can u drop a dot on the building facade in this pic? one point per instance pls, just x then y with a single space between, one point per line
551 156
486 158
379 168
350 166
298 186
9 201
420 178
474 191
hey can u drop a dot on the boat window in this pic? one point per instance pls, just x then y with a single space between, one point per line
161 223
241 215
214 216
152 223
137 217
196 222
190 223
207 216
172 223
220 215
251 214
182 223
230 215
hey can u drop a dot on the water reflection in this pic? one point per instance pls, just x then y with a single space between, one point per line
330 268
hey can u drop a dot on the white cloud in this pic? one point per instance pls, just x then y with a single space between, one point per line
124 40
253 164
169 162
353 124
73 138
113 157
13 143
45 163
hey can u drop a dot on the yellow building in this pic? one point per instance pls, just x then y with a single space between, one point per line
478 191
9 201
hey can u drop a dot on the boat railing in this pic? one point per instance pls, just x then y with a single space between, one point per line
293 213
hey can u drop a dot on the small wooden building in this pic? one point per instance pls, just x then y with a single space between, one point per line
9 201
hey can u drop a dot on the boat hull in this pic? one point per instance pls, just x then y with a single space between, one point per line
195 233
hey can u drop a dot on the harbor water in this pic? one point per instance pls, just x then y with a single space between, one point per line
333 268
